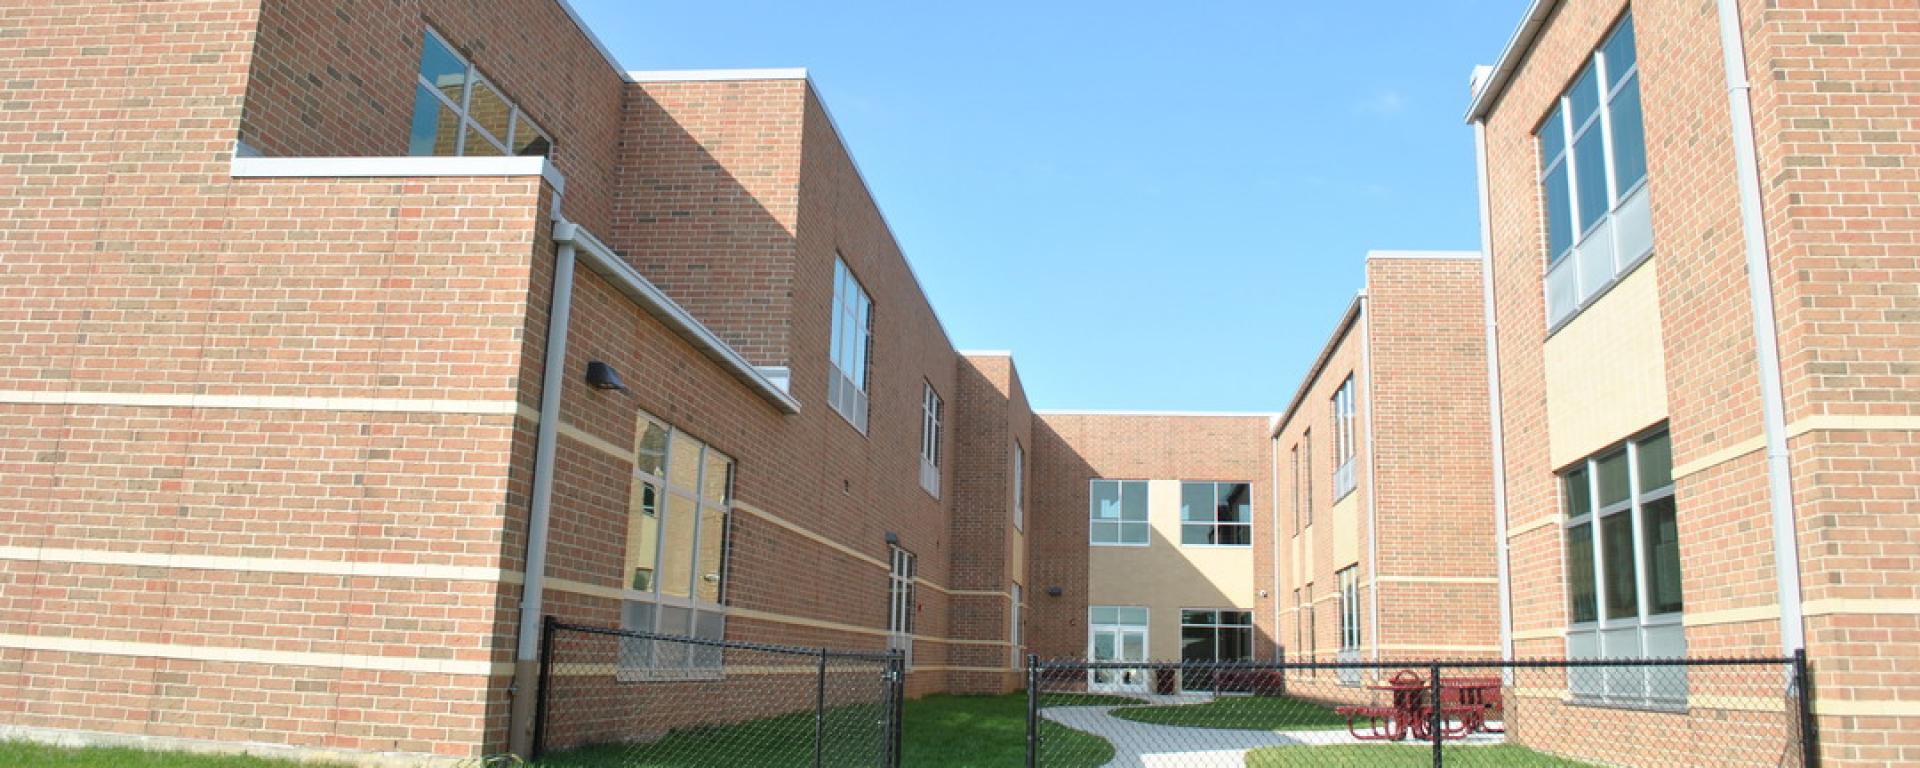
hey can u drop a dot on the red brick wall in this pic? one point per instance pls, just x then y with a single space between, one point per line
708 203
1074 448
1432 475
1833 160
337 79
1305 512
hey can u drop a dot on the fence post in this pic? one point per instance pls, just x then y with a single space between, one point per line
1809 731
548 626
1033 710
820 711
1435 721
899 705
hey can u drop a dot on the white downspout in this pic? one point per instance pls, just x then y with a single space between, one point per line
1373 528
1766 342
1273 466
1496 419
552 381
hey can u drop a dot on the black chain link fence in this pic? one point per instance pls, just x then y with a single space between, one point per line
618 698
1550 713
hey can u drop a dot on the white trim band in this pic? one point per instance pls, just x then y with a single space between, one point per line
256 656
260 402
262 564
395 167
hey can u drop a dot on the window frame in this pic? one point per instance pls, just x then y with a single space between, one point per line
1144 524
640 659
1306 454
1019 486
466 123
1215 524
1604 630
902 601
1217 629
1016 595
848 390
1293 496
1608 88
932 416
1349 579
1345 442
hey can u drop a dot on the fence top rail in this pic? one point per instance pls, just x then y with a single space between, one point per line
1280 666
791 650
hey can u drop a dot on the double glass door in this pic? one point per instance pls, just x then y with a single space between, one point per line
1117 634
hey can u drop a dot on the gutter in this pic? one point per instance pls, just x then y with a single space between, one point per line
1496 419
1503 70
1766 342
604 262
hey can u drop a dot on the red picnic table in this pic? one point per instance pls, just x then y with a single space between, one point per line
1464 704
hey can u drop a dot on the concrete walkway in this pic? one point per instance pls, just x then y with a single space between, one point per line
1145 745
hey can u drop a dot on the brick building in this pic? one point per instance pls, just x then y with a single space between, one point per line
340 339
1707 375
1384 533
1149 528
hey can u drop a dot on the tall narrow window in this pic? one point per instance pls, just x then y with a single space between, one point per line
674 578
1349 604
1593 162
1294 495
1216 514
1017 601
1313 641
900 604
1019 487
1299 626
1306 457
1622 560
1344 440
1117 513
931 413
457 112
852 340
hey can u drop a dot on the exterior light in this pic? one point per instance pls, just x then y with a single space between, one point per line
603 376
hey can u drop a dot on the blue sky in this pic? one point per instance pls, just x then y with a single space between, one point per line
1155 206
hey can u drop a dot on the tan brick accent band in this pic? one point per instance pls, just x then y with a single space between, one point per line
256 656
260 402
262 564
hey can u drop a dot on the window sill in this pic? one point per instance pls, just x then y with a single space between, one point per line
1141 545
1630 704
644 675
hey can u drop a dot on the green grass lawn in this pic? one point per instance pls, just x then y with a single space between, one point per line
1251 713
1403 756
941 731
20 754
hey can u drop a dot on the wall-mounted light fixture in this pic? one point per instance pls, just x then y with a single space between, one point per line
1055 591
603 376
893 538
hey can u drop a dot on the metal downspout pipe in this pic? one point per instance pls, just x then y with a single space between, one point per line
1766 342
532 593
1496 419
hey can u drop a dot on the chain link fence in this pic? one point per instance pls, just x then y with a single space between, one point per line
618 698
1550 713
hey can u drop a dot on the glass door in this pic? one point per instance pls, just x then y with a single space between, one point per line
1117 634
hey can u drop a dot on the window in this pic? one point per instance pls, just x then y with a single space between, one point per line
852 340
930 416
676 552
1216 635
1593 162
1019 487
1216 514
1306 477
1343 439
1313 643
900 604
1013 622
457 112
1299 624
1294 497
1349 607
1118 513
1623 571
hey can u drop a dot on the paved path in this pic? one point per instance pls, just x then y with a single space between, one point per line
1145 745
